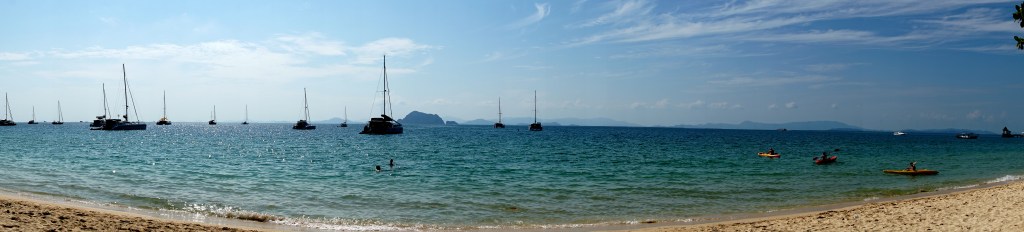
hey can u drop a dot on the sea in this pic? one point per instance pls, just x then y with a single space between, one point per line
478 177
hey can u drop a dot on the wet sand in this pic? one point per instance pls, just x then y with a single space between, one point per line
25 214
998 208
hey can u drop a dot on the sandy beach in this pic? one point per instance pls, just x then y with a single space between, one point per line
23 214
998 208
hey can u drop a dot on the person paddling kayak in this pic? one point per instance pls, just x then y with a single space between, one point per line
912 167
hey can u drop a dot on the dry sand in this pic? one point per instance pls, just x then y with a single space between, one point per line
999 208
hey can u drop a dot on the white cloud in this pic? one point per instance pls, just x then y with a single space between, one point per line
835 106
772 20
773 106
543 9
10 56
660 104
791 105
974 115
756 82
622 13
312 43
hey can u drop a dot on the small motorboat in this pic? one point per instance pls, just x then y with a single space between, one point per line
967 136
899 133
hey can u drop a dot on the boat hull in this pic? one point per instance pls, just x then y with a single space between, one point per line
6 122
536 127
765 154
162 123
499 125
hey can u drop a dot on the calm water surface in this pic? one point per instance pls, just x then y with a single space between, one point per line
469 177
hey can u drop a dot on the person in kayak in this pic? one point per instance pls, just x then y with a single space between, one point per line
771 150
913 167
824 155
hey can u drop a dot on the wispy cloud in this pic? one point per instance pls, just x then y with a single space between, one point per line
543 9
755 82
781 21
11 56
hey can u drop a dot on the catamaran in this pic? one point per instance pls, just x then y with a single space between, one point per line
499 124
303 124
536 125
116 123
97 123
164 120
8 116
384 124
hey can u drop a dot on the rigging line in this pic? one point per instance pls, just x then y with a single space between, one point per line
132 96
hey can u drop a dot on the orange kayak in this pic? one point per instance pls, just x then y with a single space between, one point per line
912 173
765 154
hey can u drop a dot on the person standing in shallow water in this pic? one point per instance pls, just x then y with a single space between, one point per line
392 164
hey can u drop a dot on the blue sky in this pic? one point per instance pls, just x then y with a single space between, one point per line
876 64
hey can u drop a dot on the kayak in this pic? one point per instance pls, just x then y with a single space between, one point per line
912 173
765 154
826 161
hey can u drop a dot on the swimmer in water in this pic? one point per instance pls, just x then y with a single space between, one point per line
378 168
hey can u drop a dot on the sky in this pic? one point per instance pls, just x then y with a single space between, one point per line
877 64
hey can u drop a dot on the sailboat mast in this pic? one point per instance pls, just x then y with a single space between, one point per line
165 103
305 103
33 113
535 106
246 113
384 107
106 107
60 113
7 108
123 72
346 114
214 113
499 109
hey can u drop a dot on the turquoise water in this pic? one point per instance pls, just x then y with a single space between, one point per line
469 177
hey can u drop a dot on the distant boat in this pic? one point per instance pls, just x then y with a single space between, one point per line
536 125
967 136
345 123
116 123
899 133
97 123
1008 134
8 116
213 116
33 121
383 124
499 124
60 116
163 120
246 122
303 124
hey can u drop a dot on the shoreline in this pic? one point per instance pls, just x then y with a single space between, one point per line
986 206
50 212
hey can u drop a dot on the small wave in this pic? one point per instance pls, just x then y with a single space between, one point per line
871 198
1005 179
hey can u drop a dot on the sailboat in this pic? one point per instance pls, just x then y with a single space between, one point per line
536 125
303 124
60 116
33 121
345 123
8 121
163 120
384 124
116 123
97 123
246 122
499 124
213 116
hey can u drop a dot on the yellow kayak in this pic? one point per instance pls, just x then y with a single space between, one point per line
912 173
765 154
